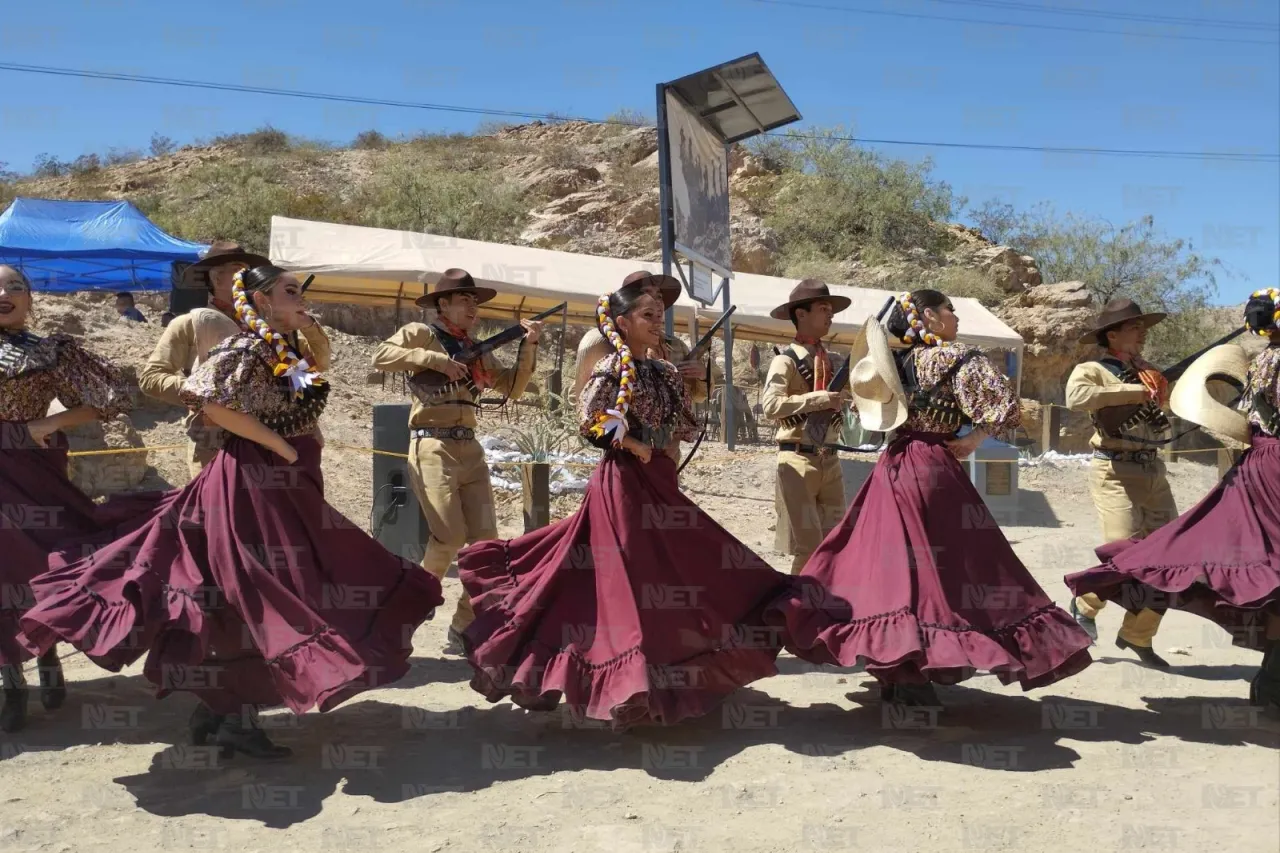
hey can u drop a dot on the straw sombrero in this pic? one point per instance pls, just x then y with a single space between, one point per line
1204 391
874 383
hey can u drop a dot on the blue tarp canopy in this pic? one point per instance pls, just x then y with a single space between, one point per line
89 245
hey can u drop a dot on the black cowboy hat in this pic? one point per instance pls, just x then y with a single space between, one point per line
808 291
668 285
1118 312
456 281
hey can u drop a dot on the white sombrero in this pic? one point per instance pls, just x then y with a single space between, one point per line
874 383
1203 394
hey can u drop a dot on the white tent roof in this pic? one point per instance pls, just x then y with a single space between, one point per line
378 266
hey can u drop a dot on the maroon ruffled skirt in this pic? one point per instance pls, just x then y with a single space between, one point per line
244 587
1218 559
638 608
39 508
918 584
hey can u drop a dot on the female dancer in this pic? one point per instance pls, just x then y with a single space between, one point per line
638 608
917 582
244 587
39 505
1219 558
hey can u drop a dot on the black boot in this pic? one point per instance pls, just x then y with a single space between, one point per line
240 733
914 695
1146 654
53 686
1264 689
13 716
204 724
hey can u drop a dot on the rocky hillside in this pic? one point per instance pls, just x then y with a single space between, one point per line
572 186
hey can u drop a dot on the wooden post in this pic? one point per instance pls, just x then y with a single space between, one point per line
553 385
535 479
1050 427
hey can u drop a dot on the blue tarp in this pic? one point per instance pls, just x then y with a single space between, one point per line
89 245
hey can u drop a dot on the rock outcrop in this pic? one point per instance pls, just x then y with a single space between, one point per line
1050 318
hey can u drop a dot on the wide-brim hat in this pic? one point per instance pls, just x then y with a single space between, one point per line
228 252
1203 394
875 385
456 281
668 285
807 291
1119 311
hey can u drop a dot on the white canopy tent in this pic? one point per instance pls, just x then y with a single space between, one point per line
378 266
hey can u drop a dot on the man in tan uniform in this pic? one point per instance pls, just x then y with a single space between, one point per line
446 463
1127 477
186 341
809 496
594 346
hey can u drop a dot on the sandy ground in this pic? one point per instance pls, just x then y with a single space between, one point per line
1118 758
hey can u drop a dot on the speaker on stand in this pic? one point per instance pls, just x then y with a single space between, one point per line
396 521
187 291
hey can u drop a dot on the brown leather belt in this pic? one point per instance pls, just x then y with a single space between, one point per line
1140 457
807 449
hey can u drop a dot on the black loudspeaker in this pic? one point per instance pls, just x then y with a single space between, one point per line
185 291
397 519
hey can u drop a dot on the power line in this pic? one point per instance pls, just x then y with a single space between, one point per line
1119 16
1056 27
1235 156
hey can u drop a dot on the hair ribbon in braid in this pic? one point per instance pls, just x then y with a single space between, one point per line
613 422
1274 295
916 331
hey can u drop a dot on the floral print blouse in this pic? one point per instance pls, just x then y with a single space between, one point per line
239 375
978 388
34 371
660 411
1264 375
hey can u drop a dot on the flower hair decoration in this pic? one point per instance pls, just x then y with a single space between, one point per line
916 332
289 364
613 422
1274 295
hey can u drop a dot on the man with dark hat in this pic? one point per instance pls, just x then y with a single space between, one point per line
1125 398
809 496
186 341
446 463
594 347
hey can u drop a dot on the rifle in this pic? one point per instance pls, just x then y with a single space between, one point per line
1114 419
816 424
701 348
432 386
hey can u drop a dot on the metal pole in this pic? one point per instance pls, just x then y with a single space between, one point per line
664 197
731 431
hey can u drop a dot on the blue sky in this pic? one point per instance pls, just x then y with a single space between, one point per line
880 76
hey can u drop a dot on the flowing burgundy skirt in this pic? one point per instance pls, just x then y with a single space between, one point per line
243 587
638 608
1218 559
917 584
39 508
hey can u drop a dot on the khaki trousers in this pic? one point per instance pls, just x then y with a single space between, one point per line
451 481
809 499
203 446
1132 500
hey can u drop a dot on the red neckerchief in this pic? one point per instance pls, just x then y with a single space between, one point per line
1150 376
225 307
661 349
479 375
821 362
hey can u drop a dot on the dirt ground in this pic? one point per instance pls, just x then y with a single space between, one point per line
1117 758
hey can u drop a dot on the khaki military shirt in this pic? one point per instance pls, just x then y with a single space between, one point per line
178 352
415 348
1091 387
786 395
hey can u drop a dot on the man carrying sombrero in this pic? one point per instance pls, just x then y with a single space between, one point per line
594 347
809 496
1124 396
446 463
186 341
